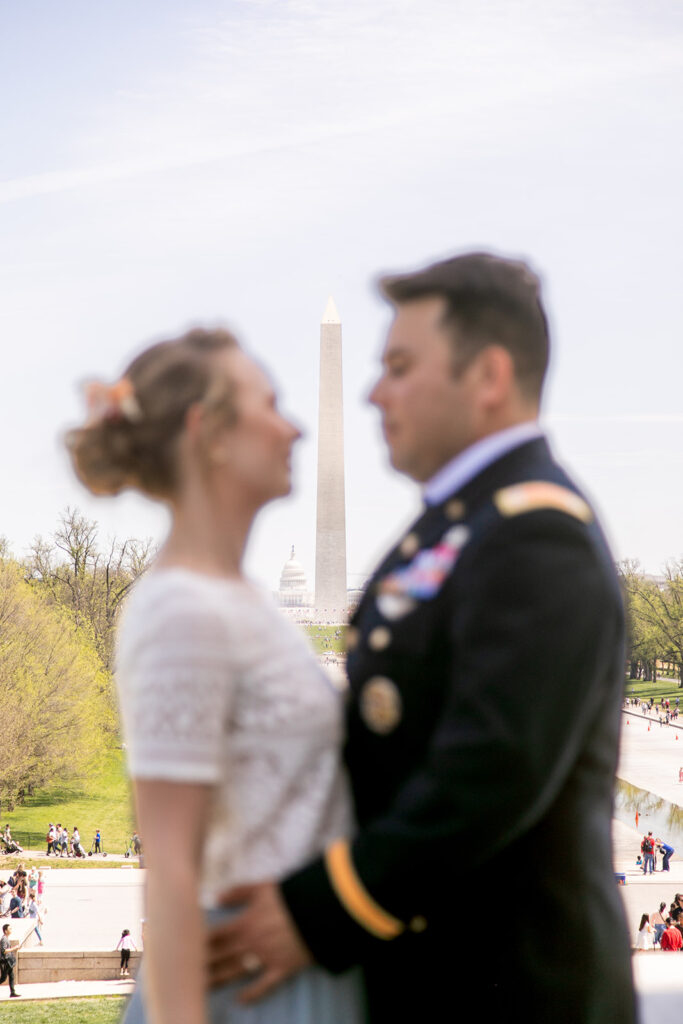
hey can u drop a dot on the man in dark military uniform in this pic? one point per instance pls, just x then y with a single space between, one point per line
485 666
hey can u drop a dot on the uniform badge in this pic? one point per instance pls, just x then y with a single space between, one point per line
381 707
399 592
395 606
535 495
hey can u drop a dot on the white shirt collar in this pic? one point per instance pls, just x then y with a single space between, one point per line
468 464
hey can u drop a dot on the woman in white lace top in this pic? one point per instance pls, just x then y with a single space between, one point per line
232 729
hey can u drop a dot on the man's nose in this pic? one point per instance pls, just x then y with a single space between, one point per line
376 393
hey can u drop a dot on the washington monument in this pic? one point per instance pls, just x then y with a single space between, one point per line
330 538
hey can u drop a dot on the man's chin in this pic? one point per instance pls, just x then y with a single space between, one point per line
403 465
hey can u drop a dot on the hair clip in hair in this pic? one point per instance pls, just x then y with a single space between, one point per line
112 401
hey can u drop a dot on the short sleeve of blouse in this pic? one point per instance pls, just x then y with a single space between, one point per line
176 680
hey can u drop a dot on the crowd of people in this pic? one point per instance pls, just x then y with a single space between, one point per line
662 929
661 708
59 841
62 844
22 895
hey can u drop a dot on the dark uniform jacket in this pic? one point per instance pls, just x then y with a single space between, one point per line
486 673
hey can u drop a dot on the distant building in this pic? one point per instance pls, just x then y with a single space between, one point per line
293 591
330 535
330 601
297 601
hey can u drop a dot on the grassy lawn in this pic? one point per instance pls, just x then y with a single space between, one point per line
100 801
93 1010
326 639
636 688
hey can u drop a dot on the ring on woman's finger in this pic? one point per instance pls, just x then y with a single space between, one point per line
251 963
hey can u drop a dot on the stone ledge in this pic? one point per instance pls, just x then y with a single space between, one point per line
41 966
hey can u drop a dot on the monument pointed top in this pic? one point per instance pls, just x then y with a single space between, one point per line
330 316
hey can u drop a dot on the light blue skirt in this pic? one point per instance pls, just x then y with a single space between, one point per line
312 997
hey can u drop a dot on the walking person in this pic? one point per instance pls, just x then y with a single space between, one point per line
76 847
33 912
125 944
8 960
233 731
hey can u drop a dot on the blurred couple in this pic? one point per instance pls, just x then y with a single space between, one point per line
335 853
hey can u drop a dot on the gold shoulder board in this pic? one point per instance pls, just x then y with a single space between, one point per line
541 494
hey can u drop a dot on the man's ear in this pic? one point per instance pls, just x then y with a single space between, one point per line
496 375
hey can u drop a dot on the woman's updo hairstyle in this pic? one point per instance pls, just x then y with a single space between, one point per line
131 435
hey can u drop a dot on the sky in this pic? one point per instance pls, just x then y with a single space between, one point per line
236 162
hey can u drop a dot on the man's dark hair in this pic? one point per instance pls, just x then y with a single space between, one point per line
490 300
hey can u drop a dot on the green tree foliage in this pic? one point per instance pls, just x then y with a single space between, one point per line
51 690
655 618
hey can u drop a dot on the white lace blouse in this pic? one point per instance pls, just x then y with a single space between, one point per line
217 687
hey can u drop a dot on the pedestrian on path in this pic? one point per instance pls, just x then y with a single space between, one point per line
667 851
76 847
647 848
125 944
644 937
8 960
671 939
659 923
41 887
34 914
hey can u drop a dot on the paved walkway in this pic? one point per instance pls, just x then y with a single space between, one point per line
89 908
652 756
71 990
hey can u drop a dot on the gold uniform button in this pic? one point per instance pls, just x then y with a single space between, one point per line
455 509
381 707
379 638
409 546
352 638
418 924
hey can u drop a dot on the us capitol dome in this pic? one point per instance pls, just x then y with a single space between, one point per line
293 591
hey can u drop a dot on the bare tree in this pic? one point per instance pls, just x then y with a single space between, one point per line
92 582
